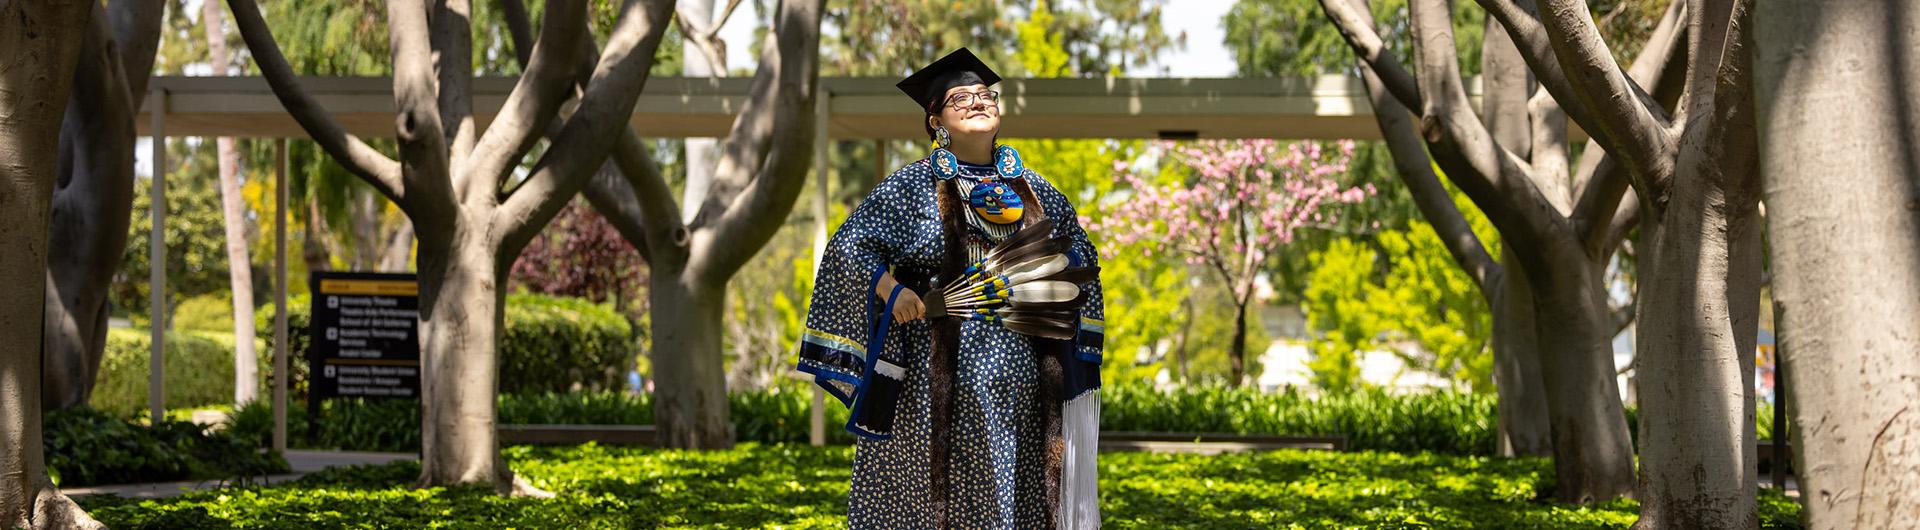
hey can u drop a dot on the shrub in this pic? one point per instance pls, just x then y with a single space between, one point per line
348 424
211 313
299 311
576 408
394 425
199 370
783 414
1442 422
86 447
552 344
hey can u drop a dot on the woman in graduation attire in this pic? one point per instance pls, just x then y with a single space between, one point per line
971 412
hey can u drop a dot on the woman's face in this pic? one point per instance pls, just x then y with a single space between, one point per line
976 117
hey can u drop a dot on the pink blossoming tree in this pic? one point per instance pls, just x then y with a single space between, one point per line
1233 204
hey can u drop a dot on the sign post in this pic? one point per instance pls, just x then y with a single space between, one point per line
365 339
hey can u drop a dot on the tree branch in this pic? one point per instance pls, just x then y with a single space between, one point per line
782 108
1521 22
545 82
649 202
1355 23
136 32
1506 93
1628 122
1601 179
583 142
613 196
353 154
703 38
1496 178
1725 149
452 39
652 197
417 123
1625 217
519 30
724 15
1429 195
1549 161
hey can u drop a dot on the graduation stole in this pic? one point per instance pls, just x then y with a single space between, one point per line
1050 356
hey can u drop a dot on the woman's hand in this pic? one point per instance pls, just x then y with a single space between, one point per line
906 307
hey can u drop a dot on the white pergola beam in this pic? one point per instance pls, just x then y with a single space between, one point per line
1328 107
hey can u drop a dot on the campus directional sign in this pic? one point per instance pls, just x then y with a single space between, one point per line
366 339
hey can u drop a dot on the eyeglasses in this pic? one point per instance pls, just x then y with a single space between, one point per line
965 99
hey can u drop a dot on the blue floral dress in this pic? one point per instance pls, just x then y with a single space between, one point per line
997 464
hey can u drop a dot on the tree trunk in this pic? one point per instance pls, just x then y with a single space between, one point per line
1180 353
314 241
239 272
460 321
1838 112
93 196
246 372
689 408
1695 362
88 228
399 251
690 404
35 77
1525 429
1592 454
1237 352
702 153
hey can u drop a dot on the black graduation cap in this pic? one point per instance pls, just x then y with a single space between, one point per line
960 68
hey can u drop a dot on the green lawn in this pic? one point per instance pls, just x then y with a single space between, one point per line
757 486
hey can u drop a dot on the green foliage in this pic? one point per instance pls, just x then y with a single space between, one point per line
1336 307
1400 287
87 447
766 311
777 414
211 313
1294 37
783 414
1437 307
350 424
553 344
786 486
1041 52
199 370
299 313
1440 422
892 37
576 408
195 233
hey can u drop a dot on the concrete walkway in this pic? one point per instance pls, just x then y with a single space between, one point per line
302 463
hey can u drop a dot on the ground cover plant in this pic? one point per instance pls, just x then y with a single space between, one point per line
790 486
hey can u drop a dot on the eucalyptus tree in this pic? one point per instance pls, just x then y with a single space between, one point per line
233 209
